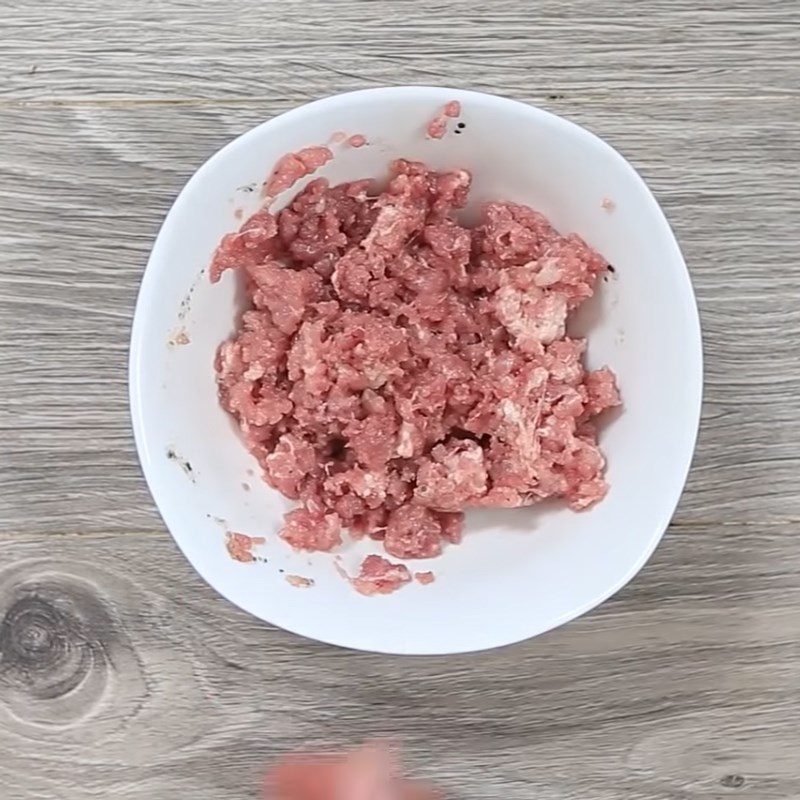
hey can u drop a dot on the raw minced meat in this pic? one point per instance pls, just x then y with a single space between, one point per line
299 582
377 575
240 546
396 367
437 127
293 166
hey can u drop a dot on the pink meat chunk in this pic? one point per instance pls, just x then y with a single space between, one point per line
379 576
397 368
453 477
249 246
437 127
413 531
311 530
240 546
294 166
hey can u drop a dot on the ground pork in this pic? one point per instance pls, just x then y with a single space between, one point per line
378 576
240 546
293 166
396 367
437 127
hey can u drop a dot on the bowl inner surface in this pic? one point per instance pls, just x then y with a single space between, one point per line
518 572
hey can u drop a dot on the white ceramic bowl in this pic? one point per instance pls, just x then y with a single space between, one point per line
517 573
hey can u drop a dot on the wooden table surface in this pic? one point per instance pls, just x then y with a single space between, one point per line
123 676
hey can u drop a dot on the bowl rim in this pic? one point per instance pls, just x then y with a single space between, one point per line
692 390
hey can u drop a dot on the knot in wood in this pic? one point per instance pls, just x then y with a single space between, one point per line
43 647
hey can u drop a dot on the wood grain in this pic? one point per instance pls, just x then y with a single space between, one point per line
120 668
122 676
296 49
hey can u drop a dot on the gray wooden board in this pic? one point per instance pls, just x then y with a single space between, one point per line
121 675
124 676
